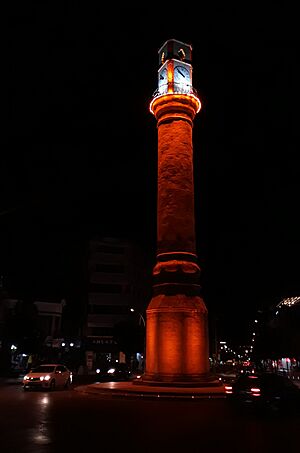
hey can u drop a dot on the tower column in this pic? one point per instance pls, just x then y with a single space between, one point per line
176 333
175 203
177 345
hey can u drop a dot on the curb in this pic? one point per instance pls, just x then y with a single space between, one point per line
147 394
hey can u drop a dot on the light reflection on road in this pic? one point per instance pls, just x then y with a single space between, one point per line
28 413
40 434
45 400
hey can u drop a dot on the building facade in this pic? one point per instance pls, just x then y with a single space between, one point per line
115 290
28 327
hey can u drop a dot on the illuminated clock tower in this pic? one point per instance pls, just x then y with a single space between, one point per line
177 350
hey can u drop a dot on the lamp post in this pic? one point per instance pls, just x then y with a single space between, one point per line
141 319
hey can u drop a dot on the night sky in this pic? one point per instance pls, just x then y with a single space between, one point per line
80 150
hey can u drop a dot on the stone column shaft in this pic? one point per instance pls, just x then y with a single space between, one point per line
175 203
176 327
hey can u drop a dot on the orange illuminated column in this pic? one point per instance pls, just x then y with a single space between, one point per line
177 351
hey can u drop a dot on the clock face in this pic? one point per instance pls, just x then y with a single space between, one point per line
182 78
181 75
163 81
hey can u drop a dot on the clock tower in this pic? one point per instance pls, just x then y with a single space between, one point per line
177 349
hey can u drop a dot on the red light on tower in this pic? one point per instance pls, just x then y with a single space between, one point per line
176 327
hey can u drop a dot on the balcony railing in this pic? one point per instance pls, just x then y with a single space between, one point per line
175 88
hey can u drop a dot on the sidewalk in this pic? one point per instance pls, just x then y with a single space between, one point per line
129 389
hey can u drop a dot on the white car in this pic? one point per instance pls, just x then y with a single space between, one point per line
48 376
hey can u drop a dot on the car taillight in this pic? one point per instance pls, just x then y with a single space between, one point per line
255 391
228 389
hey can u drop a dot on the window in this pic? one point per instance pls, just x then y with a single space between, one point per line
110 268
109 309
105 288
110 249
44 369
103 331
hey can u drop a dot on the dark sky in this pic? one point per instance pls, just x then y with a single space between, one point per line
81 145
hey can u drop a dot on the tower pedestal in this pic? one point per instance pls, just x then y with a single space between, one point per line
177 345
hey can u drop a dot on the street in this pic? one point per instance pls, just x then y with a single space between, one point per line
69 421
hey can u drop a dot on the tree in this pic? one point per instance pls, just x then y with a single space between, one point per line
129 337
22 327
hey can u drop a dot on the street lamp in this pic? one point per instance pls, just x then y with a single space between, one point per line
140 316
141 319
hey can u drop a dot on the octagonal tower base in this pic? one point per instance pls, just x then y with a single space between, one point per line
177 343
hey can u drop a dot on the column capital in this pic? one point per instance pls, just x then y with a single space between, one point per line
175 106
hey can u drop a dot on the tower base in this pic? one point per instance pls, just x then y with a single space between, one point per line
207 380
177 342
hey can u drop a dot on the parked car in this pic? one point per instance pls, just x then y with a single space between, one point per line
264 391
48 376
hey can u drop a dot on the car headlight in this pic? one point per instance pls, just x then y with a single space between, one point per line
26 378
111 370
42 378
47 377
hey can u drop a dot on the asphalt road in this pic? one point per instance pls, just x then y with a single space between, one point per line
69 421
